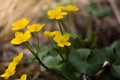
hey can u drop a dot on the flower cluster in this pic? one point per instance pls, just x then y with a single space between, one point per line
56 13
58 39
12 66
23 36
61 40
59 12
69 55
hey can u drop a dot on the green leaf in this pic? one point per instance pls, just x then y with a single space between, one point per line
52 62
116 48
29 59
77 41
83 53
115 70
74 36
43 52
100 12
85 61
52 52
104 11
108 54
69 72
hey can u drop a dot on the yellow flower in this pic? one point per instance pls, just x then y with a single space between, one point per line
70 8
9 71
12 66
21 37
49 34
23 77
62 40
18 58
56 13
35 27
21 24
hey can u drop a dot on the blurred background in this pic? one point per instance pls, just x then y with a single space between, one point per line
102 16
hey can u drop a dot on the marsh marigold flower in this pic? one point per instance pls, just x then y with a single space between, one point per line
56 13
9 71
49 34
62 40
70 8
35 27
21 24
12 66
23 77
21 37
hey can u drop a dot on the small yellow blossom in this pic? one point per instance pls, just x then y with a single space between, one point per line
21 24
21 37
62 40
23 77
49 34
70 8
9 71
12 66
56 13
35 27
18 58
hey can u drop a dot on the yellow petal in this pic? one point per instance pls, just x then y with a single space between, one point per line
21 24
66 36
23 77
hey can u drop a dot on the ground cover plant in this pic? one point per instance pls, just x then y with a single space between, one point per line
68 55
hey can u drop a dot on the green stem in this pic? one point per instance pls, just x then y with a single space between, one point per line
51 43
29 46
61 56
71 23
36 56
67 54
60 27
89 29
56 50
38 42
59 52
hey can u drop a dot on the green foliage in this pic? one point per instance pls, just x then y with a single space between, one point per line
72 56
100 12
86 61
69 72
82 58
79 42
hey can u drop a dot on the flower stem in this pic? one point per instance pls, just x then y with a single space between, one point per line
89 29
61 56
60 27
51 43
70 26
56 50
38 42
30 47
